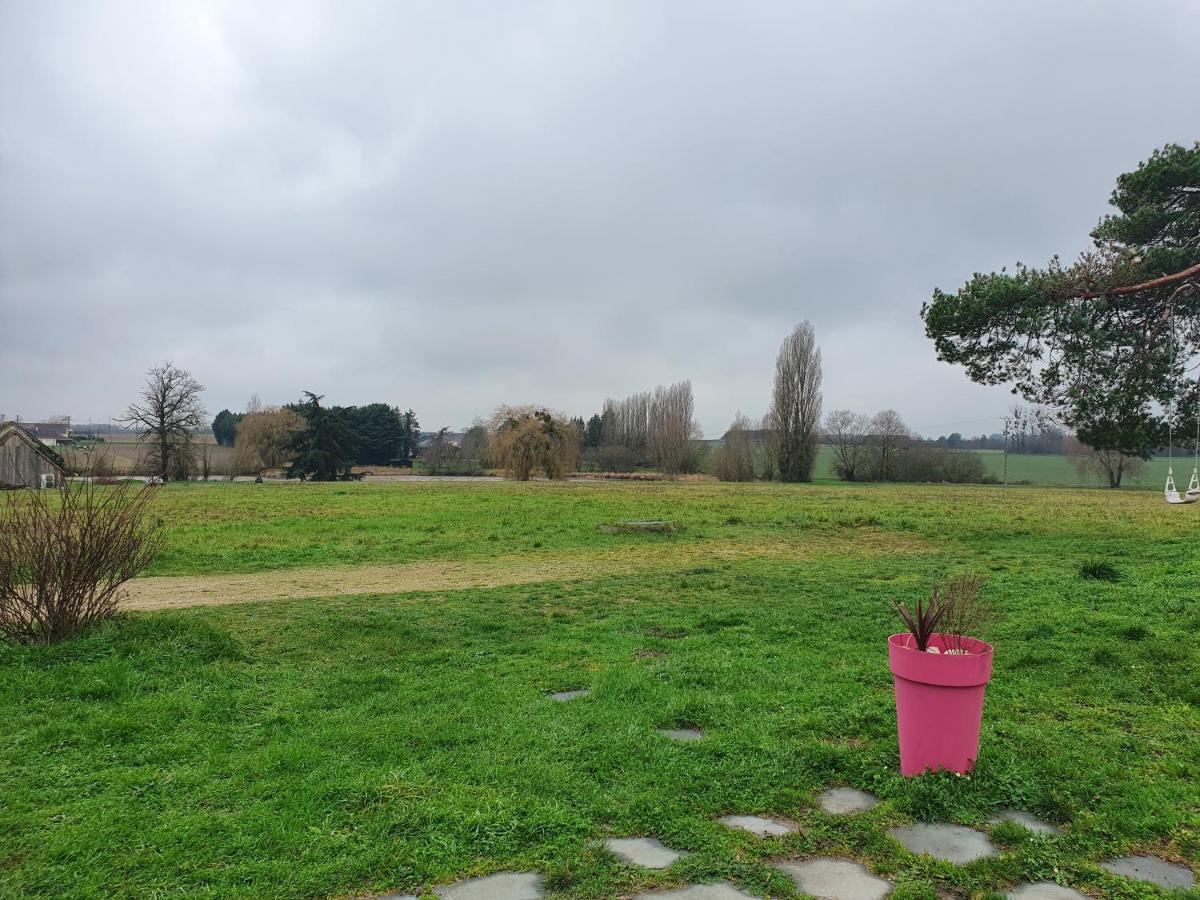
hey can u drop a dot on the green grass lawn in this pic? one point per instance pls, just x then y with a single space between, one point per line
337 747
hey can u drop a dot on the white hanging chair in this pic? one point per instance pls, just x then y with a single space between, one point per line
1191 495
1170 492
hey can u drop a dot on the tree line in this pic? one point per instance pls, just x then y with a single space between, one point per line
653 429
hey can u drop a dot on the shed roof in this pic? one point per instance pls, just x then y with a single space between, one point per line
21 432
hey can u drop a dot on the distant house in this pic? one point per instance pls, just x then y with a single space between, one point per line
453 438
52 434
25 461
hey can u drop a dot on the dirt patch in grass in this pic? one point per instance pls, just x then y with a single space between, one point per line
170 592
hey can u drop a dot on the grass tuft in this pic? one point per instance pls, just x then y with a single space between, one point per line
1099 570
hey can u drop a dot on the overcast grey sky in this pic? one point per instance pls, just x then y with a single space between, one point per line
453 205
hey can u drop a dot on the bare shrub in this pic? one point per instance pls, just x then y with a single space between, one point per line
796 403
734 459
936 465
953 610
964 615
65 554
611 458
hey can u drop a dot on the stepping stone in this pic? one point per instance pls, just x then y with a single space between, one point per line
1044 890
842 801
643 852
952 843
721 890
836 879
564 696
1151 869
501 886
1025 820
759 825
682 734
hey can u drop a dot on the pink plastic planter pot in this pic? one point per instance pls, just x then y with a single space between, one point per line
939 703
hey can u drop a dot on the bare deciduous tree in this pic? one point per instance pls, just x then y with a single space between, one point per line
671 431
889 436
1111 465
475 442
441 452
734 459
63 560
848 432
626 423
170 413
768 447
796 406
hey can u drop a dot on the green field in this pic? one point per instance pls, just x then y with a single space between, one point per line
1052 470
392 740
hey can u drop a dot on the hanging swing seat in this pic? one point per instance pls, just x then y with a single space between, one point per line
1191 495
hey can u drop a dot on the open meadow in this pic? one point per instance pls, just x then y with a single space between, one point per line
342 689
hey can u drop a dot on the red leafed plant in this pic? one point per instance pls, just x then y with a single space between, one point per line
953 608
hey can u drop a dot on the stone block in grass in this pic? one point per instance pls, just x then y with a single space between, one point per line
1151 869
642 851
951 843
845 801
836 879
759 825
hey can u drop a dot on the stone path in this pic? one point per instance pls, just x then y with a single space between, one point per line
759 825
648 852
1044 890
721 890
564 696
843 801
1025 820
952 843
682 734
826 878
501 886
836 879
1151 869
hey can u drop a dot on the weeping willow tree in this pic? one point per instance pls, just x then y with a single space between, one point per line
1110 341
528 439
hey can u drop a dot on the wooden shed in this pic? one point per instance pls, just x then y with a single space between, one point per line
25 461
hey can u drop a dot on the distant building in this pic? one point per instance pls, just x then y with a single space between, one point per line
453 438
52 434
25 461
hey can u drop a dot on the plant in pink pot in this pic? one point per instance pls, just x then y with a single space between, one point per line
940 673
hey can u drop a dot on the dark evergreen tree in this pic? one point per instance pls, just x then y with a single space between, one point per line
324 450
593 434
1109 341
224 427
378 432
410 436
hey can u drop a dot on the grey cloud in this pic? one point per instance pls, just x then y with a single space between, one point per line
452 206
